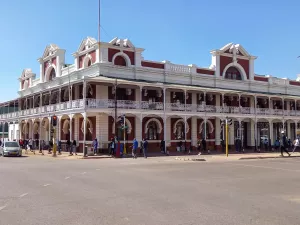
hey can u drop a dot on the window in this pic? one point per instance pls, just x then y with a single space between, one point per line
180 134
120 61
52 74
152 131
233 74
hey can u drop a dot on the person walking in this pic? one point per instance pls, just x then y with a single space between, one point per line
145 148
142 147
284 144
95 146
59 147
296 144
162 147
135 145
74 146
112 147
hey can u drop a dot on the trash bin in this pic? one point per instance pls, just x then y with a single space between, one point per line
90 151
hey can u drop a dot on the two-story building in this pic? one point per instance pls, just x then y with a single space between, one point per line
161 100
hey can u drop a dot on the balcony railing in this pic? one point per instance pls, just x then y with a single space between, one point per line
147 106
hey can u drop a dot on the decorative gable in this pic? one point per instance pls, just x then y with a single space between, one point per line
234 49
125 43
50 50
86 44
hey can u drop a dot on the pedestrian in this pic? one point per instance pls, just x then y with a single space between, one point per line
162 147
74 147
145 148
36 143
30 142
203 145
142 147
69 149
134 148
284 144
50 147
266 144
95 146
59 147
296 144
112 147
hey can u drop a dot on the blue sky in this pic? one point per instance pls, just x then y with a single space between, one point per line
181 31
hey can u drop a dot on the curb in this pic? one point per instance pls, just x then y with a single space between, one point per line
269 157
191 159
95 157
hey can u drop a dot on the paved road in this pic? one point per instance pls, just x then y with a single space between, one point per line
36 190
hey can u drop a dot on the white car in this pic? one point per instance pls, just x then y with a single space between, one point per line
10 148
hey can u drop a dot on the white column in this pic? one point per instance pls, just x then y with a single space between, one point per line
271 132
14 131
58 66
49 132
217 131
59 130
194 131
289 132
138 128
84 130
205 122
71 127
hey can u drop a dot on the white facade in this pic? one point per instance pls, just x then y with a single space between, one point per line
168 95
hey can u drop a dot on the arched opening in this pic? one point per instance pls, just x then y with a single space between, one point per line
179 131
120 61
52 74
152 133
233 73
89 63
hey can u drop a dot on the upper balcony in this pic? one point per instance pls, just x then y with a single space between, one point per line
92 104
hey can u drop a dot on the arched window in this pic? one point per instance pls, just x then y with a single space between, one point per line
120 61
152 131
52 74
233 74
89 63
180 134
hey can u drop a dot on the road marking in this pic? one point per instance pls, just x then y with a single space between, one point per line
83 173
22 195
45 185
266 167
3 207
67 178
98 169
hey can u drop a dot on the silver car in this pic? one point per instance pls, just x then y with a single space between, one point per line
11 148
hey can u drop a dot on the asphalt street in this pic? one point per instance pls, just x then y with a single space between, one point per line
37 190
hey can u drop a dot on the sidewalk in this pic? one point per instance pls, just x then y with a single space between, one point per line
235 157
214 157
64 155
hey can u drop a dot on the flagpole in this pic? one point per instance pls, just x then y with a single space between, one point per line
99 26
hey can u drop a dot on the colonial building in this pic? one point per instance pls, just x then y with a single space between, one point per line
161 100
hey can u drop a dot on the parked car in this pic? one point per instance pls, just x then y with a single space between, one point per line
10 148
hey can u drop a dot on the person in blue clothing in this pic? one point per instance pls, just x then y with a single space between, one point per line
135 145
95 146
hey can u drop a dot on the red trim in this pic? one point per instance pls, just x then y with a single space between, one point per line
264 79
297 83
204 71
153 65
